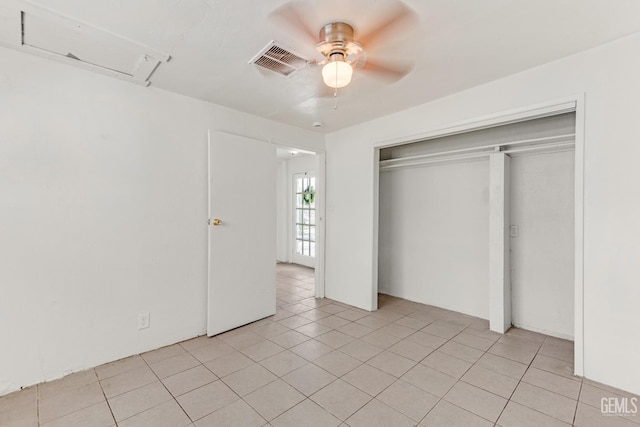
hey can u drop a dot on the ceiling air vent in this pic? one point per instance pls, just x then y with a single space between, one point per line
279 60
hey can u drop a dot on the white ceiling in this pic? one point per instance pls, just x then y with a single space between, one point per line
457 44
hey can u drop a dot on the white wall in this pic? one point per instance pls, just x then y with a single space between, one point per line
609 77
542 255
434 235
103 214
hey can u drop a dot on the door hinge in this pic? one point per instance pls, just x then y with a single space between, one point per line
209 221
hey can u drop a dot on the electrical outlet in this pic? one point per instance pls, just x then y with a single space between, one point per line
514 231
143 321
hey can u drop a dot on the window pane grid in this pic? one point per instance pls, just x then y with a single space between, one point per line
305 216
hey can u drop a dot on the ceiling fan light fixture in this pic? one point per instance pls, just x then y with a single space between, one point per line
337 72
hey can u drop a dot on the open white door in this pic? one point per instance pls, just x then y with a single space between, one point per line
242 247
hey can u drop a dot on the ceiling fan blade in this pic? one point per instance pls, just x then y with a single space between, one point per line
296 18
386 71
396 21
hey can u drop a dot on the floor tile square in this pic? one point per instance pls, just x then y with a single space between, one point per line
516 415
397 330
377 414
274 399
440 331
558 384
558 349
552 404
490 381
315 314
173 365
249 379
408 399
412 322
502 365
270 330
119 366
391 363
197 342
68 400
68 383
337 363
229 363
474 341
289 339
168 414
334 322
283 363
373 322
309 379
426 339
335 339
519 354
461 351
206 399
127 381
446 414
236 414
311 349
341 399
163 353
262 350
212 350
188 380
27 416
352 314
332 308
449 365
355 330
241 340
430 380
555 366
381 339
487 405
369 379
98 415
313 329
306 414
411 350
139 400
361 350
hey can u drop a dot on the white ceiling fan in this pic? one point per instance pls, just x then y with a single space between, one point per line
343 48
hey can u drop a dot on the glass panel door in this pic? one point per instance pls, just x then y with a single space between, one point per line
304 217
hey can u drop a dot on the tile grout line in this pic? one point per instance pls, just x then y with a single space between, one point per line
105 398
38 403
575 414
457 379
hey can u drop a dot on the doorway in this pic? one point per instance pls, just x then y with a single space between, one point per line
300 211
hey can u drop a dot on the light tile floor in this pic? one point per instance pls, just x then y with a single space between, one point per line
318 362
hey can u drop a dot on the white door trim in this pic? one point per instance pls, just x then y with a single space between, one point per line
563 105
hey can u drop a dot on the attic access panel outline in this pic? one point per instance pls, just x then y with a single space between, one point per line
48 34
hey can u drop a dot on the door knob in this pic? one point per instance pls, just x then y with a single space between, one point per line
216 222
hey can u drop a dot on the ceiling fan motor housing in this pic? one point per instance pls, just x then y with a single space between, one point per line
335 38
